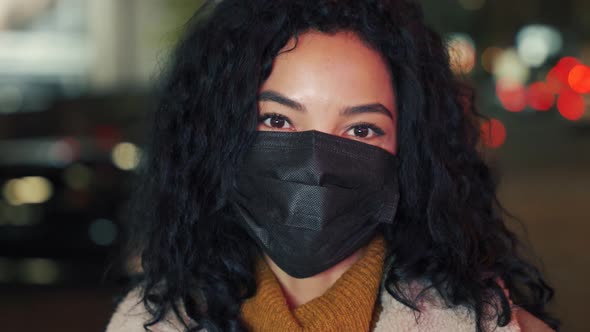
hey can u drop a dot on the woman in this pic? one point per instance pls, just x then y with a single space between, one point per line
314 167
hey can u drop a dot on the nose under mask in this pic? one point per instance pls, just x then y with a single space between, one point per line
311 199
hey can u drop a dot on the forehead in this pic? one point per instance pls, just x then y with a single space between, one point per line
340 65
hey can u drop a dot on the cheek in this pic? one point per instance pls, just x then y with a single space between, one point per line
388 141
391 144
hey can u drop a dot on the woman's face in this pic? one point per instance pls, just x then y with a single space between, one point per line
334 84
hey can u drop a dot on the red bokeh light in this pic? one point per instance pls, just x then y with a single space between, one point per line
512 95
557 78
106 136
493 133
579 78
540 96
570 105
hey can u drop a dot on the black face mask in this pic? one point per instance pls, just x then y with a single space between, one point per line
311 199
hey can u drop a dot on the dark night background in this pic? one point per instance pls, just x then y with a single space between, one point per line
76 82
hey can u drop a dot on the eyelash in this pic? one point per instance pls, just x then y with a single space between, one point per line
267 116
378 131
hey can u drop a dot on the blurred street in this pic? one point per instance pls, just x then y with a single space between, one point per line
77 82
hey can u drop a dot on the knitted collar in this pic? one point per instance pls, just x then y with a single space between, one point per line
351 304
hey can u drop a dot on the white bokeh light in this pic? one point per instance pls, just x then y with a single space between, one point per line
508 66
126 155
535 43
27 190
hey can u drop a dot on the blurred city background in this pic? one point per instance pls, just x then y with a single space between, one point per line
76 82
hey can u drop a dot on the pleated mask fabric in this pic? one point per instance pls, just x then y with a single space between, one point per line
311 199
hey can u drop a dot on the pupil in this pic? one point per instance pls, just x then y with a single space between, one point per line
277 122
361 131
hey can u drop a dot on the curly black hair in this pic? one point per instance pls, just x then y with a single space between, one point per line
449 228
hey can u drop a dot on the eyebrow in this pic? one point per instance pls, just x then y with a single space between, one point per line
270 95
369 108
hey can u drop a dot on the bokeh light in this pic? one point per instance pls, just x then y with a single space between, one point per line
488 57
64 151
539 96
462 53
102 232
579 78
508 66
126 155
27 190
571 105
557 78
493 133
512 95
39 271
78 176
535 43
18 215
106 136
11 98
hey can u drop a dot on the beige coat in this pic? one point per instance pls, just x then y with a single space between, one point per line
131 314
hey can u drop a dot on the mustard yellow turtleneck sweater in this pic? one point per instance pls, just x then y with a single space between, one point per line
351 304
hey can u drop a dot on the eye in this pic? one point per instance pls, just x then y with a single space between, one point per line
273 120
365 130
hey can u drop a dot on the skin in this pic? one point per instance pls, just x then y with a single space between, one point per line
337 85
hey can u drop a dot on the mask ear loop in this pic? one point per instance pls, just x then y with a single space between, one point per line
388 210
